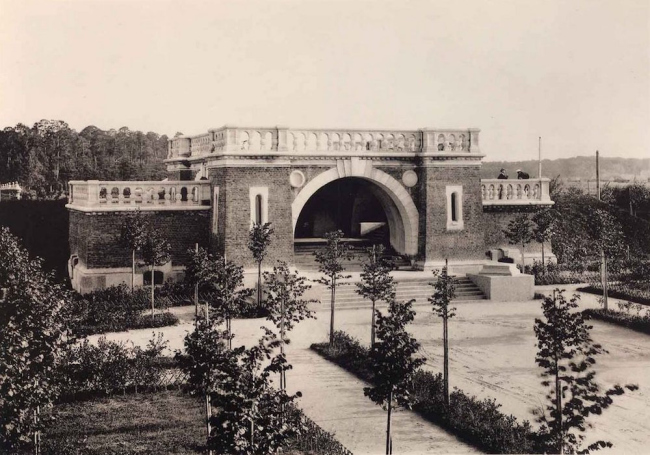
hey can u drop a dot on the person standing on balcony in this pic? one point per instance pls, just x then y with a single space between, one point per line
521 175
502 175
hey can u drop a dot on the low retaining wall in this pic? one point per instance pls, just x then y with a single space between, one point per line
505 288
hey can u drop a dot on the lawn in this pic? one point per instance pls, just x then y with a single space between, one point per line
156 423
169 422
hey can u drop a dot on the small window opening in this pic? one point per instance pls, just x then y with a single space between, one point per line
258 209
454 207
158 277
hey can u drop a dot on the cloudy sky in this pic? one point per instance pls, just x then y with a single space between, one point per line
575 72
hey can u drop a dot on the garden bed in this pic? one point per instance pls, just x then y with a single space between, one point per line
638 322
478 422
632 295
143 321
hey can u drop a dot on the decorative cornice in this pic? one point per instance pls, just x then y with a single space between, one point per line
134 208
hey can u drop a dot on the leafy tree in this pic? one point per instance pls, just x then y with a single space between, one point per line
393 361
155 252
444 291
227 280
133 234
207 361
259 239
250 415
330 264
376 283
519 232
200 269
606 237
34 321
42 158
285 305
544 228
566 353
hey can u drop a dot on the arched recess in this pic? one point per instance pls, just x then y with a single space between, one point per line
400 210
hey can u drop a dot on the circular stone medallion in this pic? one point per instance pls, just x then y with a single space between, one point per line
409 178
297 179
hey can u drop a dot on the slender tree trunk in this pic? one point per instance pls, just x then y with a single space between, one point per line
252 433
372 327
283 384
196 304
132 270
332 312
229 333
196 294
445 336
558 398
543 260
523 261
390 408
152 296
605 281
37 434
259 284
208 414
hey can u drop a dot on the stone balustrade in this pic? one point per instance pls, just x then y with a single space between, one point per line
11 190
497 192
281 139
147 195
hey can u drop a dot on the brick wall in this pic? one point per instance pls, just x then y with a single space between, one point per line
235 216
438 242
95 236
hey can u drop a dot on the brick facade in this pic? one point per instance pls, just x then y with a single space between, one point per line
240 163
234 212
95 236
439 242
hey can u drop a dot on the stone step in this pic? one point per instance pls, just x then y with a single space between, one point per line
417 289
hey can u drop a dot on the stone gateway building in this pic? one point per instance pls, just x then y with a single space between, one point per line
419 192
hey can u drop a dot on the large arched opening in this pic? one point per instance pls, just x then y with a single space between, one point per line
350 204
363 202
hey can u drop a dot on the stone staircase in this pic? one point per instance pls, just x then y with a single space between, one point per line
305 261
407 289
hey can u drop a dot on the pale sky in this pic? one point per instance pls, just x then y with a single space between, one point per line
575 72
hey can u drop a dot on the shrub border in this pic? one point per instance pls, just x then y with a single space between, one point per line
615 294
358 365
629 321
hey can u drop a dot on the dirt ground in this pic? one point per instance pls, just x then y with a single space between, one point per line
492 355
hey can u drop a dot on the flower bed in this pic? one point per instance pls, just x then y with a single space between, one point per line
478 422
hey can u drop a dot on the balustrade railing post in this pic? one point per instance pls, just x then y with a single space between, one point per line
93 192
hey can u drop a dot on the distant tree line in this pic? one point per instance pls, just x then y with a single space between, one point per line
46 156
577 167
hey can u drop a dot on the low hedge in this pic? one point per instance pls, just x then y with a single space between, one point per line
116 309
478 422
313 439
553 274
143 321
637 323
629 295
